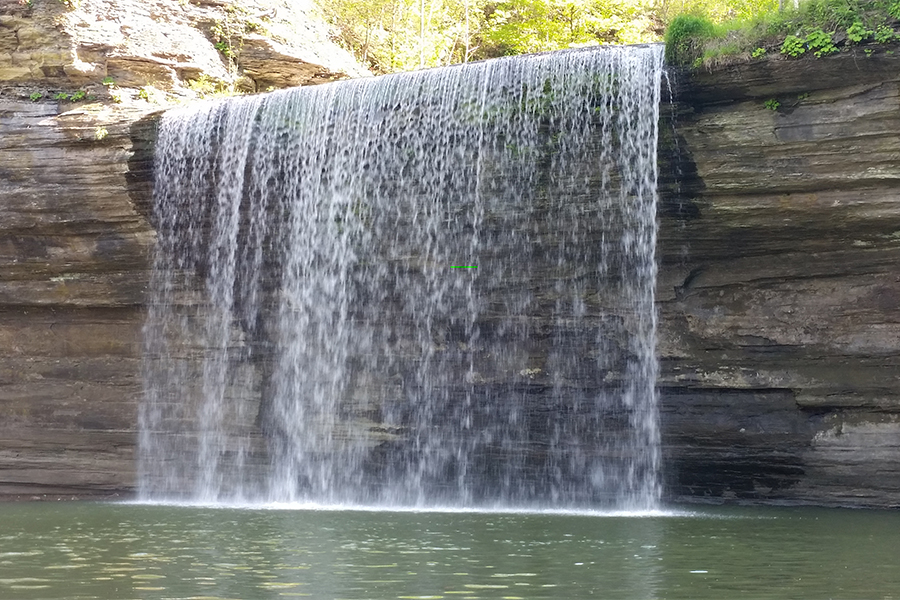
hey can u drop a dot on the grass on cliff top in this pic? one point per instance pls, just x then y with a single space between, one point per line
818 28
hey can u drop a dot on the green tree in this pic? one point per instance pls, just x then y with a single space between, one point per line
396 35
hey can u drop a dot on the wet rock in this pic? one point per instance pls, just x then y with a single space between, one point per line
779 294
779 249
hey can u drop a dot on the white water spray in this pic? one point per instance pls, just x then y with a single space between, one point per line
432 288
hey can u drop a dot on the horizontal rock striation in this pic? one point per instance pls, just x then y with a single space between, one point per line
73 273
183 48
779 290
75 181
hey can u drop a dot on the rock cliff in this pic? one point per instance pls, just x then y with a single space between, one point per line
76 81
779 290
779 240
184 48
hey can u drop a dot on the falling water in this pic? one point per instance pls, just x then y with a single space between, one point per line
430 288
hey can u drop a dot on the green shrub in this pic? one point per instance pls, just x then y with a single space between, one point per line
858 32
820 43
884 34
793 46
812 27
225 48
685 37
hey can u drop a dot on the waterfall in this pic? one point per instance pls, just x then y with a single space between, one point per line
432 288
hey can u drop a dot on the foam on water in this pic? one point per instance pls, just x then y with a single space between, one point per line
437 509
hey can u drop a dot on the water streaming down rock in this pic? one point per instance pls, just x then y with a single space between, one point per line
430 288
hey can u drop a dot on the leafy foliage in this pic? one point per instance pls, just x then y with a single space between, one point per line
820 43
793 46
858 32
393 35
884 34
816 26
685 37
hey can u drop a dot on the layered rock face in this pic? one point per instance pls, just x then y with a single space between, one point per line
73 271
779 294
779 290
177 47
75 234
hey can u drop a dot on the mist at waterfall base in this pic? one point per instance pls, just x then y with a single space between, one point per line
312 337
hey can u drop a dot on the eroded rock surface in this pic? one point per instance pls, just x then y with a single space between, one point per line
73 273
200 45
75 178
779 287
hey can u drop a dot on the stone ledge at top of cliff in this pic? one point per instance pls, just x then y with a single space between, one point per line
246 45
778 76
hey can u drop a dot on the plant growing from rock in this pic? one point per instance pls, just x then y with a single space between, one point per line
884 34
207 87
793 46
222 39
820 43
226 31
858 32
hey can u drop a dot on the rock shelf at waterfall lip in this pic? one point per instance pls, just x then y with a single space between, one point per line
620 513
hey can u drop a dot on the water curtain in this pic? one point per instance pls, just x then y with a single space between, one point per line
426 289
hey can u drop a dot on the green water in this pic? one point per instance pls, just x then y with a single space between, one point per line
115 551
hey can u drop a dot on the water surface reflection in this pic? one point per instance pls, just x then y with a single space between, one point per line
120 551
